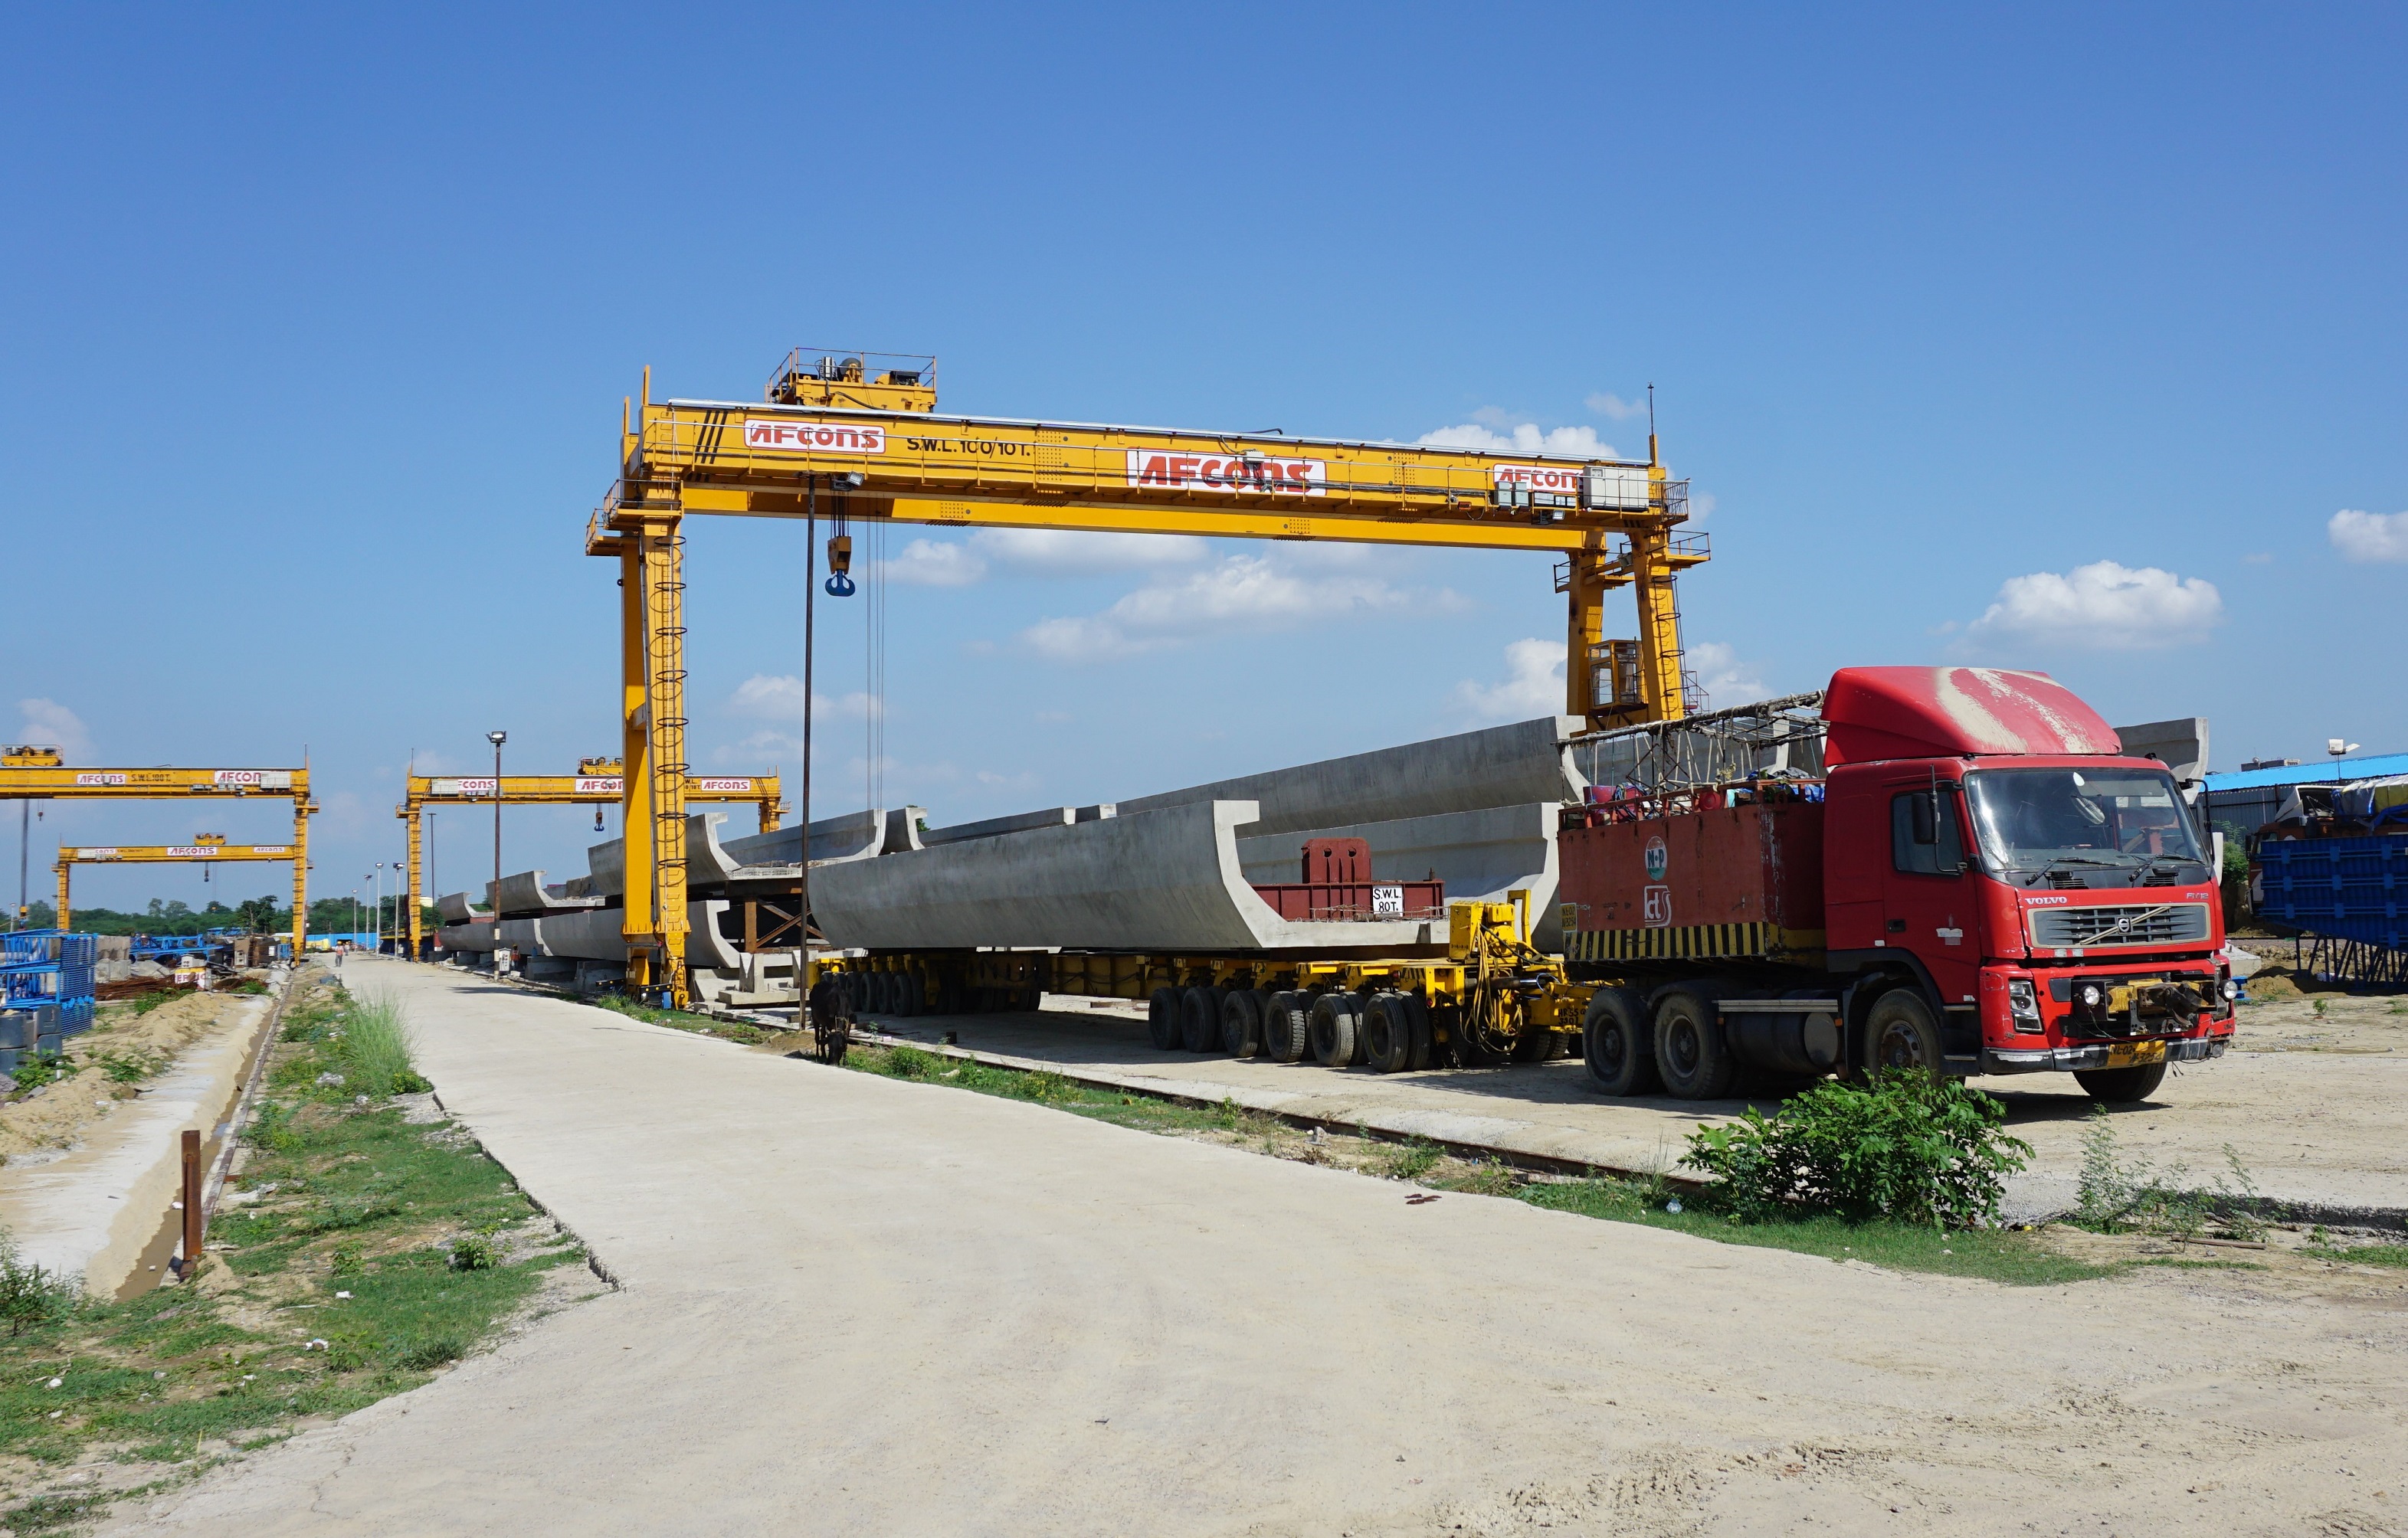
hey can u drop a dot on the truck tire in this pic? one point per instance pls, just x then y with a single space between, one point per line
1539 1044
1334 1030
1425 1043
1387 1033
1695 1062
2121 1085
1287 1032
1199 1020
1616 1044
1161 1019
913 994
1242 1022
1900 1033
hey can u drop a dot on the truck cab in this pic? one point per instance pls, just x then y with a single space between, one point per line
1981 882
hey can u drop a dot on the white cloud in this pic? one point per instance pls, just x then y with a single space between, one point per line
1533 684
2369 537
1606 404
934 563
778 697
1727 680
1078 551
2104 606
1240 594
50 725
1519 438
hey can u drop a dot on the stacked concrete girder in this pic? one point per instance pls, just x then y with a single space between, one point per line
1526 762
453 907
525 895
1167 879
1480 855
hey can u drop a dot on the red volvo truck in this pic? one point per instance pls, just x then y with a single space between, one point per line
1979 882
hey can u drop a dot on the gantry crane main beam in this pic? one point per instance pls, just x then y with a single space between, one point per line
37 774
596 782
840 440
206 849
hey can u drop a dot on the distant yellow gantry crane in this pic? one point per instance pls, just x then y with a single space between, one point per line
205 848
39 773
858 437
598 782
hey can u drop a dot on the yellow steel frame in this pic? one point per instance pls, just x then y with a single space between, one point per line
38 776
206 849
875 449
596 782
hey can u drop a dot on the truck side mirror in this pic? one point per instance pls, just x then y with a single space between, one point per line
1925 810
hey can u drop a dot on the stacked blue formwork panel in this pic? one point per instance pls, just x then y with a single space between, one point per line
46 976
2351 889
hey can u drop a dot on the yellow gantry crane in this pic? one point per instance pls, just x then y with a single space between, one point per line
205 848
858 437
598 782
38 774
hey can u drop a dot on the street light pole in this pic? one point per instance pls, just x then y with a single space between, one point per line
495 902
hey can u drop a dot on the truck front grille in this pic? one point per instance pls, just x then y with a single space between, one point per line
2080 929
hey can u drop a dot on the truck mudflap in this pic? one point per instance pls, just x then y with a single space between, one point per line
2122 1054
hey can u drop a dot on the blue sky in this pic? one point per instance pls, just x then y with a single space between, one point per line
2052 337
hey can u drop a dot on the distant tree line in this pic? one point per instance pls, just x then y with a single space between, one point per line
258 915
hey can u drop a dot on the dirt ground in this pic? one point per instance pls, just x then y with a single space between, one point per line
2310 1099
43 1124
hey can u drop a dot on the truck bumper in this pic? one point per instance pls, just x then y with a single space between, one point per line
2065 1060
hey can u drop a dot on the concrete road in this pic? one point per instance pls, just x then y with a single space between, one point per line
853 1305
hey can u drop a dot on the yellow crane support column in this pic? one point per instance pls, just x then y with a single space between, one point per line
302 807
412 834
662 548
62 867
1659 625
635 787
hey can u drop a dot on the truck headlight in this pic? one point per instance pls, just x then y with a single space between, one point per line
2091 995
2023 1005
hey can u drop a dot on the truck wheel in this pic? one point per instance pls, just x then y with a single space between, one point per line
1286 1030
1425 1043
1539 1044
1334 1030
1899 1033
1242 1022
1690 1052
1199 1020
914 994
1616 1045
1161 1019
2121 1085
1387 1030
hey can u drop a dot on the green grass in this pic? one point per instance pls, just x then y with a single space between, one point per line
377 1049
2013 1258
363 1203
677 1019
1998 1255
2393 1256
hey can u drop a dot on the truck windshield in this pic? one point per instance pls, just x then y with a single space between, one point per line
2113 826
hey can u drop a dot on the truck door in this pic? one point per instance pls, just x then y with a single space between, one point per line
1927 900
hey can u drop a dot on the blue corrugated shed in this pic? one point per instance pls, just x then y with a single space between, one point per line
2326 773
2356 889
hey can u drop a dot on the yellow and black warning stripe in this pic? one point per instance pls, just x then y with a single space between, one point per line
1688 941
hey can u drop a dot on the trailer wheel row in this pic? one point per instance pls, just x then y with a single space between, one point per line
1385 1030
904 993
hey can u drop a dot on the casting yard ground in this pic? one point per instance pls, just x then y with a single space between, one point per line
853 1306
2310 1100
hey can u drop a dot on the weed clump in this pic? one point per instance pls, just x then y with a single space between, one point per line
36 1069
31 1294
1911 1148
2117 1194
1411 1159
376 1049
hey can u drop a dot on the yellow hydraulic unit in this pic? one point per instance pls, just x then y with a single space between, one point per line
38 774
598 782
858 437
205 848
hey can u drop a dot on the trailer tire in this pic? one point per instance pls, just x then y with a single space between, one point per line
1690 1053
1617 1046
1387 1032
1199 1020
1161 1018
1424 1040
1901 1033
1242 1022
1335 1029
2121 1085
1540 1043
1287 1031
913 994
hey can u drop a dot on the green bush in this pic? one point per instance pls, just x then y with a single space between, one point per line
911 1062
30 1294
1913 1149
376 1050
36 1069
2117 1194
474 1252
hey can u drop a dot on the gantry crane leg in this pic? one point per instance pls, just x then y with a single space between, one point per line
65 913
301 809
1659 626
662 547
411 836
